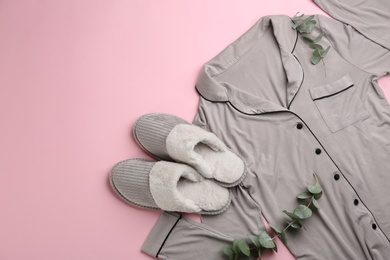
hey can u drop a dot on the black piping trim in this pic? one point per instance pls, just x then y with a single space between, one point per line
212 101
300 85
333 93
289 111
296 41
300 64
170 231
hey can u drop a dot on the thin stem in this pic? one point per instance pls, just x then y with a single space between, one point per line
323 62
292 222
289 225
311 199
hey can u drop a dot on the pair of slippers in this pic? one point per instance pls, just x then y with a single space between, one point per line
193 174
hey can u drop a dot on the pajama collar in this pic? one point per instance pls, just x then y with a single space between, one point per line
285 36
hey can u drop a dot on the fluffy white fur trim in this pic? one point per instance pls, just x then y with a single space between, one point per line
178 187
205 152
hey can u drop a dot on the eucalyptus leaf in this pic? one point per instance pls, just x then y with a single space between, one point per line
325 52
254 240
228 250
295 17
308 19
301 27
314 189
310 26
280 233
315 203
315 59
316 46
319 37
318 196
307 27
236 249
296 25
282 237
304 195
308 37
296 225
266 241
260 252
303 212
275 229
275 248
243 246
291 215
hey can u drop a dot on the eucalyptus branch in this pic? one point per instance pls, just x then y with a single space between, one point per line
262 242
306 27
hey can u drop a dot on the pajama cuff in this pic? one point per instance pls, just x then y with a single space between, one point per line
160 233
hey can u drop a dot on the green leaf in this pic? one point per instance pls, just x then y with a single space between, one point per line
296 25
316 46
315 203
235 246
291 215
228 250
266 241
308 37
275 229
307 27
295 17
280 233
314 189
318 196
275 248
304 195
319 37
303 212
243 246
296 224
282 237
324 52
260 253
308 19
254 240
310 26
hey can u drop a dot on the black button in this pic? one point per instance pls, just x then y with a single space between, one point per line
318 151
356 202
373 226
336 176
299 125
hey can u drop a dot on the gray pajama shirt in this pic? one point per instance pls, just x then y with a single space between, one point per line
290 119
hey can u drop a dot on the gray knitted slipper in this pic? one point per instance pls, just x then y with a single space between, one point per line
168 186
168 137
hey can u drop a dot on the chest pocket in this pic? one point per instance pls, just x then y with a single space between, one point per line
339 103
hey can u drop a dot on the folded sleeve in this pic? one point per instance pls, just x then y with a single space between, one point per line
370 17
355 47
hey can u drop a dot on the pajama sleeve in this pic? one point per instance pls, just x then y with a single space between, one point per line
370 17
367 54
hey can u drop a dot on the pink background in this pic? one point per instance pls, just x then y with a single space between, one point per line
74 76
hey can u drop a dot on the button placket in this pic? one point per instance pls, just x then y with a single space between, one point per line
337 177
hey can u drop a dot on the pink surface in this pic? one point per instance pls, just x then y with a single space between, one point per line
74 76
